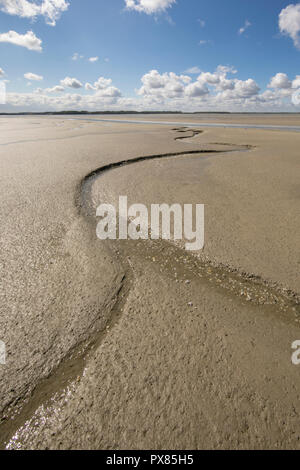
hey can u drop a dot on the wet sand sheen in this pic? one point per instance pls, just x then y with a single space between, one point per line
190 124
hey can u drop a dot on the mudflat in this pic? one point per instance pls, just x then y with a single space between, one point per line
140 344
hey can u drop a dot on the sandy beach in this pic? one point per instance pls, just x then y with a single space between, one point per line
141 344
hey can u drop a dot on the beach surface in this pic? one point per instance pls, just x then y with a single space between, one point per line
140 344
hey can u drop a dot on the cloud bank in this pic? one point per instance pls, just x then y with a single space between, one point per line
220 90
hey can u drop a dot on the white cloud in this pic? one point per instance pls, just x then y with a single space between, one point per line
77 56
33 76
149 6
225 69
245 88
209 78
28 40
93 59
110 92
210 90
225 84
100 84
280 81
50 9
55 89
193 70
202 42
289 22
71 83
296 82
103 87
1 72
218 78
196 89
245 27
163 86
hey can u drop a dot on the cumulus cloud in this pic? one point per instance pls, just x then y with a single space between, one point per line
196 89
169 86
163 86
93 59
280 81
103 87
296 82
210 89
100 84
245 27
245 88
209 78
71 83
28 40
219 78
33 77
50 9
282 85
289 22
149 6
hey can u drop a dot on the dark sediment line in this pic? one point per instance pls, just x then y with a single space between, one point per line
84 204
184 130
81 199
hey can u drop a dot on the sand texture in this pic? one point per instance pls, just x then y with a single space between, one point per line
140 344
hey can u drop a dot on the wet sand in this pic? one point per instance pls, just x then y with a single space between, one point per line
276 120
116 345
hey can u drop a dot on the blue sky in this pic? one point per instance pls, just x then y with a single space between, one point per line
150 54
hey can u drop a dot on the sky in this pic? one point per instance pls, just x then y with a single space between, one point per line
168 55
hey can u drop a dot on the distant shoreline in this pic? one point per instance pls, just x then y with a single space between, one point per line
65 113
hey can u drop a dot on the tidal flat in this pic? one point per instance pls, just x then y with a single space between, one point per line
140 344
